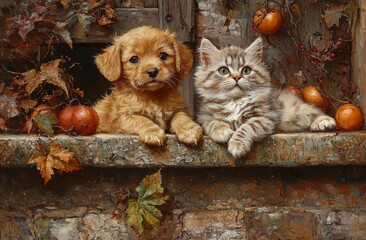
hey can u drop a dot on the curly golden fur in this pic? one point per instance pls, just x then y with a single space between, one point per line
146 64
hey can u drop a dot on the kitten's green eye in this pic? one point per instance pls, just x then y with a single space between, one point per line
224 71
246 70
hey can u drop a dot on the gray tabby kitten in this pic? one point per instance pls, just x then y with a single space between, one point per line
239 105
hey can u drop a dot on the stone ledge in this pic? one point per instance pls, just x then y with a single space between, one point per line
117 150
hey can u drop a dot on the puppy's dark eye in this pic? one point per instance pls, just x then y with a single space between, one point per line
163 56
134 59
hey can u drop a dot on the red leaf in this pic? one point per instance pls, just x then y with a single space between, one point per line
104 21
2 125
28 125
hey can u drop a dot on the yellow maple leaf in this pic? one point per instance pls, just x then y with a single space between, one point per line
57 158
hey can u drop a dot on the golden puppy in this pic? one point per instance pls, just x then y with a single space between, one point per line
146 64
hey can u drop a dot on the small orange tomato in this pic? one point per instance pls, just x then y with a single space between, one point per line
295 90
349 117
268 20
312 95
64 119
85 120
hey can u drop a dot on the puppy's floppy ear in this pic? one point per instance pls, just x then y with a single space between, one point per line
109 62
183 57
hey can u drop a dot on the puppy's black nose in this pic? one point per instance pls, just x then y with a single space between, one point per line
152 72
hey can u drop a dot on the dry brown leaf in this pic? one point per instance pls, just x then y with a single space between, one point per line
65 3
58 158
33 79
53 74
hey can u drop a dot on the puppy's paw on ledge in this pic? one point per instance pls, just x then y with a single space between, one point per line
154 137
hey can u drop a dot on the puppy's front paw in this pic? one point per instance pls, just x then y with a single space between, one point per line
239 148
222 134
190 134
154 137
323 123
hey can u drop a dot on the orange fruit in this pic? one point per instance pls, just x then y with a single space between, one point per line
295 90
349 117
268 20
312 95
85 120
64 119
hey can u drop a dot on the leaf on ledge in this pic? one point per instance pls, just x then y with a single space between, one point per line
58 158
45 122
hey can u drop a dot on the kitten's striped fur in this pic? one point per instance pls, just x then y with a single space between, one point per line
239 105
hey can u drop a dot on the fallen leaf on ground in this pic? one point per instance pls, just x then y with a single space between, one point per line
143 211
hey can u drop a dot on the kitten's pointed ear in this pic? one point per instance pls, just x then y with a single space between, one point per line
207 49
255 50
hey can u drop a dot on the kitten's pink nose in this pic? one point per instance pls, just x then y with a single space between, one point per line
236 77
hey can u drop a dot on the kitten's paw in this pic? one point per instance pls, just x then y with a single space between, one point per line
323 123
239 148
221 135
190 135
154 137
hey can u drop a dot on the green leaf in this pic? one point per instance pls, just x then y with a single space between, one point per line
150 185
134 216
149 218
143 211
152 210
155 201
45 122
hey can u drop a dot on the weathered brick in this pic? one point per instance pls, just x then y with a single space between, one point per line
224 224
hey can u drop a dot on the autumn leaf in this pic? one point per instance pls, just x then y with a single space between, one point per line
53 74
65 3
26 104
66 37
28 126
57 158
333 15
23 24
45 122
2 125
143 211
8 107
103 20
33 79
110 13
44 166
